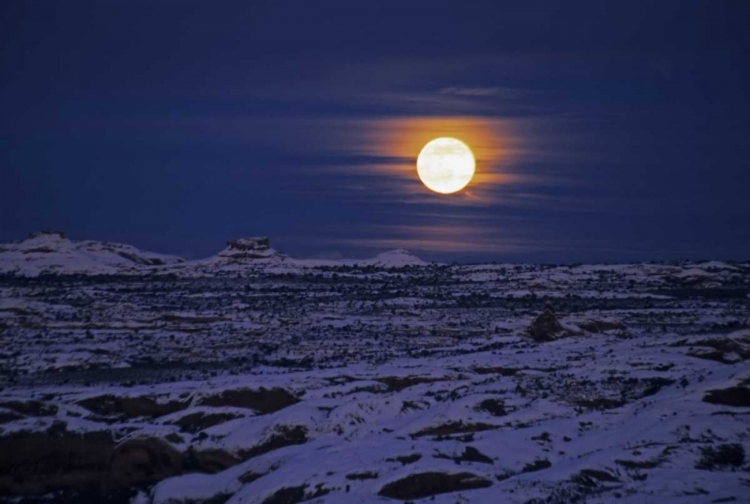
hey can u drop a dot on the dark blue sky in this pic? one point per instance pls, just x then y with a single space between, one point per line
604 130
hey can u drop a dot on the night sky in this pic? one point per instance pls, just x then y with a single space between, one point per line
604 130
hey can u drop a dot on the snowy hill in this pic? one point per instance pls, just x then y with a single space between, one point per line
53 252
490 383
397 258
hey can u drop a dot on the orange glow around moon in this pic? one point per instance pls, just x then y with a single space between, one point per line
446 165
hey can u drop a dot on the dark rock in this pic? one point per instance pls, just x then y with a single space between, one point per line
362 475
722 457
131 407
405 459
398 383
250 476
502 371
598 326
495 407
546 327
592 477
30 408
537 465
293 495
262 400
289 495
417 486
601 403
732 396
249 244
450 428
196 422
283 436
470 454
640 464
209 461
727 350
43 232
173 438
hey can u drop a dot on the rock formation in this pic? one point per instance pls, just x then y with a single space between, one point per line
258 247
250 244
546 327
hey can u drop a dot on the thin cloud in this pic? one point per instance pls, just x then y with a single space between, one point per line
482 91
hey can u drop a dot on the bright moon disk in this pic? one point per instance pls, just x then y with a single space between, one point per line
445 165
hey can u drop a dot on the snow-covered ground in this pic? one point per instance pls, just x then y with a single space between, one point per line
252 377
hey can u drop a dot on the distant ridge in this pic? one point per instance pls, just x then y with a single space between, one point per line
51 252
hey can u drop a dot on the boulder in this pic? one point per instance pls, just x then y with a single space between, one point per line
546 327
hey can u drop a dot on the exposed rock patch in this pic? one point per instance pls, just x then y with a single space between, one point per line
729 350
209 460
283 436
546 327
732 396
470 454
398 383
196 422
30 408
293 495
502 371
599 326
495 407
262 400
418 486
362 475
537 465
592 477
248 244
248 248
405 459
131 407
724 456
450 428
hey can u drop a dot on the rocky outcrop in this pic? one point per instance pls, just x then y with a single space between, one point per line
248 248
546 327
43 232
250 244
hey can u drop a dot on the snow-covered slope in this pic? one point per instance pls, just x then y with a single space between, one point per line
397 258
53 252
521 384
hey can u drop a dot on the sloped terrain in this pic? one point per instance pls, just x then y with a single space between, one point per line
51 252
342 382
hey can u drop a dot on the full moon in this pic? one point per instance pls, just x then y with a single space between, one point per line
445 165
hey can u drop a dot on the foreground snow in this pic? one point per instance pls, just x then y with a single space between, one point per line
340 382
